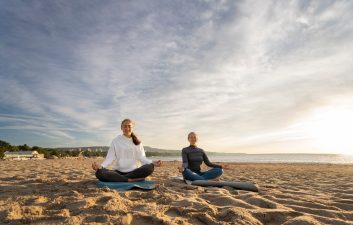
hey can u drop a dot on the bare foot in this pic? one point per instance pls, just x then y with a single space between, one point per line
135 179
95 166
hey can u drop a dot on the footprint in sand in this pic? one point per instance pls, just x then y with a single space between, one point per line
307 220
218 200
261 202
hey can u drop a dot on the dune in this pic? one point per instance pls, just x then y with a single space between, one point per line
64 191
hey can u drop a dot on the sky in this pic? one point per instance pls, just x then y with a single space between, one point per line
246 76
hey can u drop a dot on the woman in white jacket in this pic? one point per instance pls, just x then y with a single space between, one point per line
127 152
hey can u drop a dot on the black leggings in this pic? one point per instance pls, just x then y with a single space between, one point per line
106 175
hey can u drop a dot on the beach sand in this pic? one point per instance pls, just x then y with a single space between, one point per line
64 191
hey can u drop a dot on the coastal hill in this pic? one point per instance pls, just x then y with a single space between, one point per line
91 151
150 151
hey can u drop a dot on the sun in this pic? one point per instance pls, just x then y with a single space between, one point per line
332 130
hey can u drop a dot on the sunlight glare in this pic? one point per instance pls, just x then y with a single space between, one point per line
332 130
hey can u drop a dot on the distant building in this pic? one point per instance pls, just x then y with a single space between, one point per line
23 155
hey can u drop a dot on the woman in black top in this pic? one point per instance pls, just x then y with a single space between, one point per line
192 160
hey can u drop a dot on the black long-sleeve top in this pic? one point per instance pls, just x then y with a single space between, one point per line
193 158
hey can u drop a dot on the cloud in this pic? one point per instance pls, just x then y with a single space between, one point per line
227 70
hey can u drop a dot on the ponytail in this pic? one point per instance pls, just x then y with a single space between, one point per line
135 139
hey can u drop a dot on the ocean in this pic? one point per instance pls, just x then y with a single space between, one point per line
273 158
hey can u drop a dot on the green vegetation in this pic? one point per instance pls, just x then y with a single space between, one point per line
4 143
50 152
161 152
165 153
4 146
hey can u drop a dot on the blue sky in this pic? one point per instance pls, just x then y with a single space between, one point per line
247 76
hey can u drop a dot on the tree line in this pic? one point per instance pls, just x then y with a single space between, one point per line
48 152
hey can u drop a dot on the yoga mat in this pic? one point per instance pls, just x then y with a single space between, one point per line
124 186
234 184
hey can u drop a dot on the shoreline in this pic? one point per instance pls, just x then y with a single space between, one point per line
174 160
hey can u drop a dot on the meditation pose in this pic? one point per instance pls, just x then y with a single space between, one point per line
127 152
192 159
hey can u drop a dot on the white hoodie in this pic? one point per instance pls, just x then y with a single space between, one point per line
126 154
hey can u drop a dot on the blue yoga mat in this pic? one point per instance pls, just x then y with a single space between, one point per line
124 186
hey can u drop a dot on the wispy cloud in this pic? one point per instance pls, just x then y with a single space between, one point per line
231 71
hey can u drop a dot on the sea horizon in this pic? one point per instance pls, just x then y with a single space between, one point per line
274 158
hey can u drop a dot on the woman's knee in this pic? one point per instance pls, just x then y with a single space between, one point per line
219 171
150 168
100 175
215 172
186 172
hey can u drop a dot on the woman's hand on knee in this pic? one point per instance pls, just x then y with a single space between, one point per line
95 166
226 167
157 163
181 169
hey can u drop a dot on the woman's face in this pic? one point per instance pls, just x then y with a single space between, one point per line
127 128
192 139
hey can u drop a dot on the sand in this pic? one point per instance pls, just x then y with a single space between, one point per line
63 191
